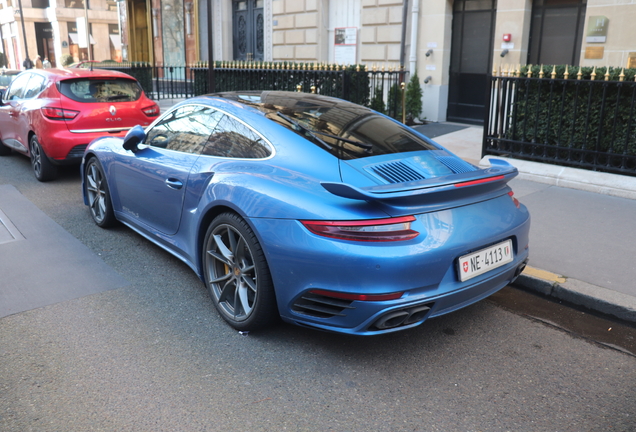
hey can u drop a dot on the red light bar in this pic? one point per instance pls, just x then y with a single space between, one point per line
480 181
360 297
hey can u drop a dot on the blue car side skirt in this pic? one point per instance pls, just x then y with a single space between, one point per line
155 238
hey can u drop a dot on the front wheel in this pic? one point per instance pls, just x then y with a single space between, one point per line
237 275
43 169
98 194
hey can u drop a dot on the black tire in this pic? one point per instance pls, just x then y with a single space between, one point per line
98 194
43 169
4 150
237 275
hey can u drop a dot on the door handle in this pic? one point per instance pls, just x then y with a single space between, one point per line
173 183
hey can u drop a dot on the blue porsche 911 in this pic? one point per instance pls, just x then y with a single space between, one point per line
320 211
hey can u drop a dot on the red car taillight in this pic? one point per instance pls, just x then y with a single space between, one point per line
152 110
376 230
54 113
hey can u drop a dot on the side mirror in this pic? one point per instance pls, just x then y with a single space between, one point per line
2 96
132 139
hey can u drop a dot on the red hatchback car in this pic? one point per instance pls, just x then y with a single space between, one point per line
52 114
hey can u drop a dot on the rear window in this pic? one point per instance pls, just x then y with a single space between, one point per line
346 130
101 90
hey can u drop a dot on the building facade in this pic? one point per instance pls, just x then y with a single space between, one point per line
51 30
453 45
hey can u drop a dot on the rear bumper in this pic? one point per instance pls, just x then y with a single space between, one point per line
424 270
67 148
411 311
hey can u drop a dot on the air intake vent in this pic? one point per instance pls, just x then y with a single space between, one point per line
77 151
456 165
397 172
321 306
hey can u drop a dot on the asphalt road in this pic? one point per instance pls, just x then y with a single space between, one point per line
155 356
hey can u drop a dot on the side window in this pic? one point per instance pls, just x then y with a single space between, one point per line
16 89
185 129
34 86
233 139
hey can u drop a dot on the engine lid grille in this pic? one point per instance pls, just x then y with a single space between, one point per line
456 165
397 172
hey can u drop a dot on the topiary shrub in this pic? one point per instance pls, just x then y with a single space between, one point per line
414 95
66 60
377 102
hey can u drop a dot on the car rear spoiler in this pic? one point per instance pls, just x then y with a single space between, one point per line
487 182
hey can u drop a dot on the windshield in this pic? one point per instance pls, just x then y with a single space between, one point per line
346 130
101 90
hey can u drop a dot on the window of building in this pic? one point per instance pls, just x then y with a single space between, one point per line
78 54
40 4
115 42
556 31
75 4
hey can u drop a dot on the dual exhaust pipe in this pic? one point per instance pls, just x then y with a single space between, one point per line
414 314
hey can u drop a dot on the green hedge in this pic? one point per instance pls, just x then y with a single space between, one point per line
561 116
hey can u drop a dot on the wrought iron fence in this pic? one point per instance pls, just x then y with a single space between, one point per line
379 88
570 119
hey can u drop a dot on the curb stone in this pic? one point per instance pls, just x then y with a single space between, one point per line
598 299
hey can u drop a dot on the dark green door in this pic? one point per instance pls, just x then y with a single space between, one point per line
471 59
247 21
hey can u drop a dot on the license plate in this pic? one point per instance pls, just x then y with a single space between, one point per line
484 260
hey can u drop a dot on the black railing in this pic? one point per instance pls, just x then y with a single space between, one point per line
378 89
580 123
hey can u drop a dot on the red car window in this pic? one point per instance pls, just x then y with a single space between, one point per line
101 90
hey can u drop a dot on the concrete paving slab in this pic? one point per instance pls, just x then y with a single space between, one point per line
435 129
580 234
41 263
465 143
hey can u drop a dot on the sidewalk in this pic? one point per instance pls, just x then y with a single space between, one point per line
582 237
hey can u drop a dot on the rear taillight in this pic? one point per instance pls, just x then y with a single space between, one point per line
54 113
359 297
376 230
511 194
480 181
152 110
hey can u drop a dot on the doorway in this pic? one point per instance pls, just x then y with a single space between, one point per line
471 57
247 29
44 36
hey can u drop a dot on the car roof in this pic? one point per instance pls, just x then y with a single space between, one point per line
266 101
62 74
